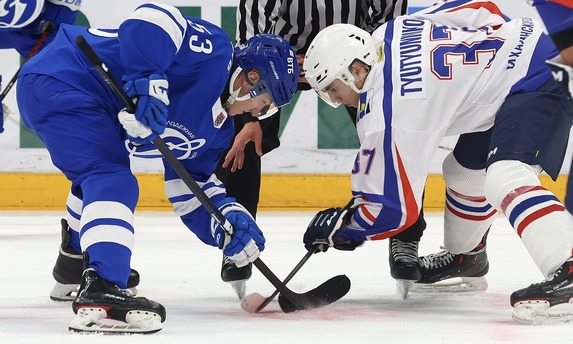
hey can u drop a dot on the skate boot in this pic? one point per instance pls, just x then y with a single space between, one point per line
530 305
404 266
235 276
99 301
471 267
69 268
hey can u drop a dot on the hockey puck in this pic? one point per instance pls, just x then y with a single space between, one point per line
251 302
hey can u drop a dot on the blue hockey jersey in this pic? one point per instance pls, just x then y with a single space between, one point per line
195 55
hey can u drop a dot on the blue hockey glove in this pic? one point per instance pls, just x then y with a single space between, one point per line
150 118
247 241
322 229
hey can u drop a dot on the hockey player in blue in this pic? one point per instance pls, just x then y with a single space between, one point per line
176 68
29 25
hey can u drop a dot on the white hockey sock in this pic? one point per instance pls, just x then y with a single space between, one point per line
468 215
535 213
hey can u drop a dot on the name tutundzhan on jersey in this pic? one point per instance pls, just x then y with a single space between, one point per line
411 54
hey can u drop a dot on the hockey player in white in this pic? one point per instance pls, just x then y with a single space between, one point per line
456 68
176 68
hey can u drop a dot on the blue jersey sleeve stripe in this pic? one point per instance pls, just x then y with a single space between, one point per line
168 19
391 189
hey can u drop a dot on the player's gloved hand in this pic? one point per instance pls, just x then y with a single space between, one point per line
247 241
150 118
561 72
322 229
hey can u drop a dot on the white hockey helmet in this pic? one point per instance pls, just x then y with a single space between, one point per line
331 54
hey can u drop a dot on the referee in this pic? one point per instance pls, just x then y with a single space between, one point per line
298 21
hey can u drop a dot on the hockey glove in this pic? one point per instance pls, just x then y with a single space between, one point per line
247 240
150 118
561 73
322 231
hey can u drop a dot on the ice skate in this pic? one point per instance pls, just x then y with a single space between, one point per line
236 277
534 305
451 273
69 268
102 307
404 266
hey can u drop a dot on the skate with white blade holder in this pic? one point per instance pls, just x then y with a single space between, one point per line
95 320
541 313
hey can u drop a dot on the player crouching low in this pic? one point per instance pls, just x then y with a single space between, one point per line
443 71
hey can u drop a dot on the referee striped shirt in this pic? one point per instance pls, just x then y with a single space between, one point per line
299 21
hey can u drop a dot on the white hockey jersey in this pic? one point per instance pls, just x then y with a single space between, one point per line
444 71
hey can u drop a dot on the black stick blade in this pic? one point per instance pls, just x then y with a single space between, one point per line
326 293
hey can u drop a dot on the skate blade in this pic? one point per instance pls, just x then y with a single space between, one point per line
457 285
540 313
63 292
94 320
403 287
67 292
240 288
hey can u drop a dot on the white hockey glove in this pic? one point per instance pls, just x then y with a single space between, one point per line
150 118
247 241
561 72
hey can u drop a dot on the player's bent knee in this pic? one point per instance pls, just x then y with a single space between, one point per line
505 176
461 179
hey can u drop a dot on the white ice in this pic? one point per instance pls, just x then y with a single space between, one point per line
183 274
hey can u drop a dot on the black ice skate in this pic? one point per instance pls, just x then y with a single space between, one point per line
445 266
69 268
404 266
102 307
531 304
235 276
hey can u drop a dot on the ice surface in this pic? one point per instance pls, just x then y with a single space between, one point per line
180 272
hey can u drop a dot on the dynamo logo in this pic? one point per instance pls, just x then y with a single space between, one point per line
19 13
178 143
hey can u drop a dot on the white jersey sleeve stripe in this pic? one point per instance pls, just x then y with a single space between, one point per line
168 18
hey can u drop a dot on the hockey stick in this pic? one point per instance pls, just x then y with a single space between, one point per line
320 296
255 302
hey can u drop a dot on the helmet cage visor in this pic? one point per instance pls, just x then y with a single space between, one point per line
325 94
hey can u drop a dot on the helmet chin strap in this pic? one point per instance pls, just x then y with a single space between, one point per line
234 94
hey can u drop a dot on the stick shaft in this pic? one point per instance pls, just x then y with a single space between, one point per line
286 280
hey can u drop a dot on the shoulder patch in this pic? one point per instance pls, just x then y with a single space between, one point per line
15 14
365 103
